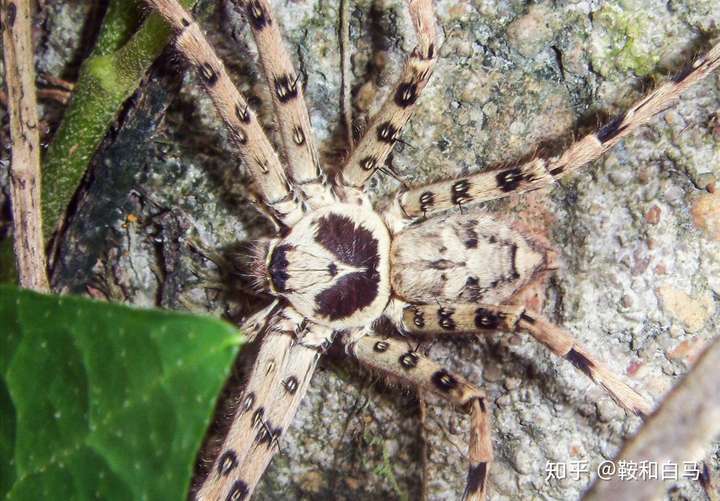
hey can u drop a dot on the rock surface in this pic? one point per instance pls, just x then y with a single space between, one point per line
636 232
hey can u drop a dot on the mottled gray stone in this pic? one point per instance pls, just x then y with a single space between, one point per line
511 76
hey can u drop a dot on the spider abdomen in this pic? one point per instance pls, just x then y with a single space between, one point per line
333 266
464 258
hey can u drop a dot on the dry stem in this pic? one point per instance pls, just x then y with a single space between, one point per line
25 159
681 429
346 103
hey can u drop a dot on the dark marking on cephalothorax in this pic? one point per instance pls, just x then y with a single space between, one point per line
611 129
242 113
476 479
352 244
419 319
238 491
445 319
580 361
11 14
356 246
387 132
368 163
248 402
486 319
350 293
509 180
427 199
332 269
259 18
208 74
298 136
381 346
444 381
291 385
459 192
285 88
409 360
406 94
227 462
278 267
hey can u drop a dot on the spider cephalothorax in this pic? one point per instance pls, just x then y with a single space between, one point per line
333 266
340 265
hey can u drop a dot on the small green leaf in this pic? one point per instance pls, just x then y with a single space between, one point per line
100 401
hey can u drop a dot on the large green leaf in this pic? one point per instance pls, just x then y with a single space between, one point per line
99 401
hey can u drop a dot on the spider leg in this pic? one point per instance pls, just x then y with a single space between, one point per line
246 132
395 359
385 126
539 172
288 102
283 402
431 319
255 416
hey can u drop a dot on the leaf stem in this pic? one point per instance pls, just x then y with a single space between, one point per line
108 77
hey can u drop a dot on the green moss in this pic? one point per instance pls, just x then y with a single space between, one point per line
385 470
626 43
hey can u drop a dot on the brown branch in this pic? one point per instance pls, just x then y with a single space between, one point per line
19 59
680 430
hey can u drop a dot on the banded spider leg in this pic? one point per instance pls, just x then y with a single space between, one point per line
384 129
282 369
459 318
423 201
278 382
395 359
298 140
255 149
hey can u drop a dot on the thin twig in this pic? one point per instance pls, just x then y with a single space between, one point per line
25 157
680 430
345 91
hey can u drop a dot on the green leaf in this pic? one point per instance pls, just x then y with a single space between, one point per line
100 401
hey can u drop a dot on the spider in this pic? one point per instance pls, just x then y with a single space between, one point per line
430 263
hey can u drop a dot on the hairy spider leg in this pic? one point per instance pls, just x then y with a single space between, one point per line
276 192
250 420
384 129
435 197
459 318
284 400
301 154
400 362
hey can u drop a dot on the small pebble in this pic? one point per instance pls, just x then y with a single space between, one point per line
653 215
